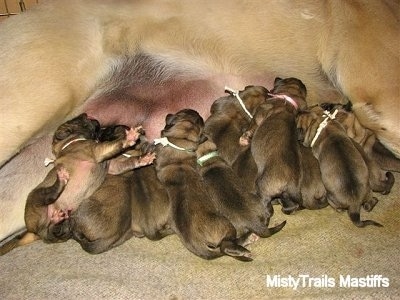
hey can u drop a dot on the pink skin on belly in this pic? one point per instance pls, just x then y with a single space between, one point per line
148 104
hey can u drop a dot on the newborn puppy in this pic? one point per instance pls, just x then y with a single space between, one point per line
79 169
344 172
313 192
108 218
193 216
230 116
231 198
380 181
273 137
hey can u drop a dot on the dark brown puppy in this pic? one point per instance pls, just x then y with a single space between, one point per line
194 218
313 192
230 116
231 197
82 162
344 171
274 144
380 180
80 168
132 204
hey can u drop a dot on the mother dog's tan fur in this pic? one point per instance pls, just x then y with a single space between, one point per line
55 57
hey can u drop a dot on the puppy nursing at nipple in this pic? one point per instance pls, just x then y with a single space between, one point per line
230 196
272 137
194 218
344 171
80 166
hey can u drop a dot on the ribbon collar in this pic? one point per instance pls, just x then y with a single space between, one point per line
323 124
165 142
286 98
48 161
236 94
201 160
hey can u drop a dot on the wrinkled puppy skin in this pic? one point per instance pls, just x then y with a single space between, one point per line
193 218
347 179
272 137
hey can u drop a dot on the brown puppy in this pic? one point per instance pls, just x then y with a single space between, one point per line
344 171
82 162
274 144
380 180
231 197
194 218
313 192
138 67
230 116
108 218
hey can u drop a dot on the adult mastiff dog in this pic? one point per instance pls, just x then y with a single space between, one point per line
132 62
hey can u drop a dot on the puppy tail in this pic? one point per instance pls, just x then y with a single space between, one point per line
236 251
271 231
24 238
355 218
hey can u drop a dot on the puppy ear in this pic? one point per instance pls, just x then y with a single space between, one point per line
277 79
300 135
327 106
82 116
62 134
169 119
348 106
202 138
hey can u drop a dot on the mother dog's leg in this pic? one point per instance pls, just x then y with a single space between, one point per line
362 58
50 59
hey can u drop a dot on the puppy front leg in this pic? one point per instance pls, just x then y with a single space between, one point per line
246 137
107 150
122 164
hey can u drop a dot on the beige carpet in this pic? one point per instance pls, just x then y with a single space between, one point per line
317 244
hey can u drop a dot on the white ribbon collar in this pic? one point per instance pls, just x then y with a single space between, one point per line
48 161
236 94
323 124
165 142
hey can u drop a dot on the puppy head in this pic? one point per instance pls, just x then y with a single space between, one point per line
185 124
348 119
80 126
307 124
37 222
253 96
292 87
56 233
112 133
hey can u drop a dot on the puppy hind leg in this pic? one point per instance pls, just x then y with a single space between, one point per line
370 204
247 239
354 214
238 252
267 232
23 239
289 206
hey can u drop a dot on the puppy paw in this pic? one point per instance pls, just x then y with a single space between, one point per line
244 140
63 175
58 215
147 159
132 135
